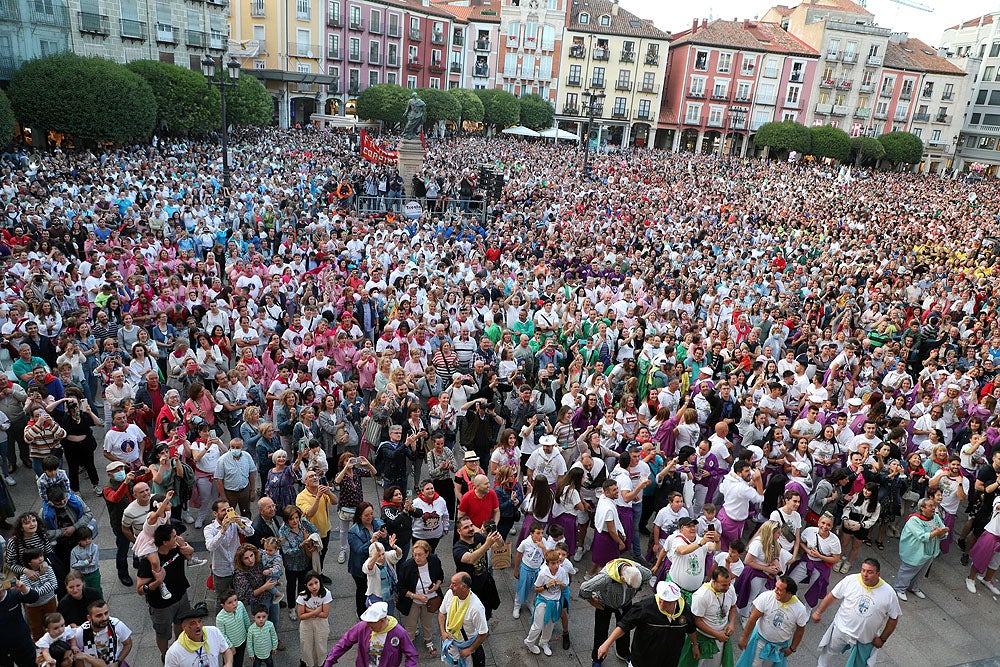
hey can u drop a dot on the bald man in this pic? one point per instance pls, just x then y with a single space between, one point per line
480 503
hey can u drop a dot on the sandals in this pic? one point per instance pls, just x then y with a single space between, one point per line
880 546
867 543
430 649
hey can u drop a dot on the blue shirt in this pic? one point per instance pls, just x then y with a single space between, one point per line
235 472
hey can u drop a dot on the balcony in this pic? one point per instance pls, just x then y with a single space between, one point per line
833 56
334 22
649 88
601 53
768 100
456 68
627 57
333 54
394 30
8 65
906 94
571 109
885 92
944 119
720 96
714 122
458 39
880 115
899 117
168 34
9 12
696 93
437 38
94 24
415 35
793 104
623 85
619 113
482 45
437 67
301 15
862 113
136 30
875 61
297 50
824 109
531 43
354 56
513 41
481 71
946 97
574 81
577 51
376 59
921 118
356 24
927 94
828 83
845 84
866 88
840 110
652 59
55 14
375 27
692 120
219 3
193 38
744 97
644 115
413 64
217 41
850 58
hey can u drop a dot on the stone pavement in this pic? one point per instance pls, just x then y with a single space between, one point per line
950 627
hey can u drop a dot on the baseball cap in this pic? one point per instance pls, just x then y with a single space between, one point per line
375 613
667 591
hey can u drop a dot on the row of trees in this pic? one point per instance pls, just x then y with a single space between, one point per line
96 100
493 108
826 141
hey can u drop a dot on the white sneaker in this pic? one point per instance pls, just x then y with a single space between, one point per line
578 555
546 650
187 517
901 595
10 481
531 647
920 594
194 561
989 585
292 614
199 524
98 490
970 585
342 558
165 593
517 611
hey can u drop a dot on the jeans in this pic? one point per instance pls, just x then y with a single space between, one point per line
122 546
263 662
602 621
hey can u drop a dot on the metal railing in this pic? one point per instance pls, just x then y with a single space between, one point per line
574 81
601 53
168 34
623 85
56 13
481 71
92 23
9 11
482 45
650 88
299 50
627 57
921 118
133 30
415 35
577 51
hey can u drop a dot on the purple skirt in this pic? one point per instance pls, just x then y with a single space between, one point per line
743 585
982 551
568 523
817 591
603 550
526 527
625 515
731 530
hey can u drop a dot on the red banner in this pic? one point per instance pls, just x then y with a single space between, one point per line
373 152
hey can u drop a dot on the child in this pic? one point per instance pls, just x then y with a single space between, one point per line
273 564
549 585
262 640
529 559
708 513
554 534
665 525
313 606
733 559
52 475
86 558
144 547
55 630
567 566
233 622
42 580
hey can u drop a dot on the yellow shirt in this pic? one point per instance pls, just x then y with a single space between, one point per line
321 519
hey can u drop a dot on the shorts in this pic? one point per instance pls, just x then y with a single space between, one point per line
165 618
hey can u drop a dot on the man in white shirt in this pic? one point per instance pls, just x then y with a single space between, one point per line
212 648
777 621
866 437
687 553
866 618
771 404
222 539
714 609
104 637
808 427
467 640
739 488
546 461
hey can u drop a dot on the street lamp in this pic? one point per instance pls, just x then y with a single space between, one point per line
735 116
594 105
223 83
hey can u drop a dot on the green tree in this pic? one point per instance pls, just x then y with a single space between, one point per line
536 112
829 141
866 150
439 106
88 98
385 102
249 103
184 101
6 120
784 137
500 108
472 106
902 147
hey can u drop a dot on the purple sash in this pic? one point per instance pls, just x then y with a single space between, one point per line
982 551
743 585
731 530
817 591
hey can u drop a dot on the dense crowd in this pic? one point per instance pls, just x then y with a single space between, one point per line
725 380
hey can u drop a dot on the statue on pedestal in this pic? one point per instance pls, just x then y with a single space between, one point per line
414 117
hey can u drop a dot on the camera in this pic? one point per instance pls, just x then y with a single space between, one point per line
9 584
489 526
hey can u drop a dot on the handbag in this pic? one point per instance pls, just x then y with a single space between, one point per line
500 555
371 431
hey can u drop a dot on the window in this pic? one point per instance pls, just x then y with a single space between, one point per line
392 54
411 82
414 23
987 143
510 64
995 49
303 10
928 89
374 52
375 22
888 83
766 93
648 82
435 82
715 116
692 113
873 51
574 75
334 11
748 66
771 68
390 77
394 25
302 46
373 78
644 107
513 30
303 68
332 46
548 38
917 131
412 54
949 91
545 68
867 76
584 18
850 51
908 87
605 20
619 108
936 135
725 63
530 34
528 65
354 49
792 97
743 91
701 60
597 80
789 115
572 100
833 50
760 117
828 73
798 69
355 16
355 79
882 108
698 86
720 89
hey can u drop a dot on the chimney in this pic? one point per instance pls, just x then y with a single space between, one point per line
746 24
694 25
614 8
704 22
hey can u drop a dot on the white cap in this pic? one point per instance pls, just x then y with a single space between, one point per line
855 401
547 440
668 591
375 613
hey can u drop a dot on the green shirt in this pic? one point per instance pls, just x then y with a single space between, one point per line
261 641
234 625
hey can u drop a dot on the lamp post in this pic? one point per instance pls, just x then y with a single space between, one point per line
225 82
735 116
594 105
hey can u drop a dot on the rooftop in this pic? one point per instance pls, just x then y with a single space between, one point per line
916 56
623 22
986 19
745 35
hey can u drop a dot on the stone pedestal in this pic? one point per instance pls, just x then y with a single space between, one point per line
411 160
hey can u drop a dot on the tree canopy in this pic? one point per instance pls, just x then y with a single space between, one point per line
472 106
184 101
866 150
6 120
785 136
902 147
831 142
88 98
249 103
536 112
500 108
439 106
385 102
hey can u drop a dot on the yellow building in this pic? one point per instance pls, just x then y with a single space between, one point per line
608 50
281 42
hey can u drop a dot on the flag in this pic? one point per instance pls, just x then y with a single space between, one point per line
423 141
373 152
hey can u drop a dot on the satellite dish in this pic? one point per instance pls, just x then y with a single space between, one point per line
309 54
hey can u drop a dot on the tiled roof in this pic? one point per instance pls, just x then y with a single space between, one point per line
987 19
486 12
746 35
625 24
839 5
416 7
782 10
916 56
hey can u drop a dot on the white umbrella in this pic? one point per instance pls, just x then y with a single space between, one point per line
521 131
556 133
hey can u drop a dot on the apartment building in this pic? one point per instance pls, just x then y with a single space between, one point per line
531 35
475 43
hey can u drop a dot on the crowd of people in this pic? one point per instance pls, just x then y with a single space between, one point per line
727 381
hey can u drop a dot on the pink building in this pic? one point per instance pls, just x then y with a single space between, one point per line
727 78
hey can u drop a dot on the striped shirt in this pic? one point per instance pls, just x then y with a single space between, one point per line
234 625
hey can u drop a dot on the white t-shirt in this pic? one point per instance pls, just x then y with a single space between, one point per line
605 511
810 537
738 495
475 617
178 656
864 611
735 569
124 445
795 519
101 647
949 490
666 519
551 467
713 607
544 577
315 601
532 555
778 621
806 429
686 570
